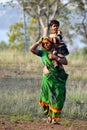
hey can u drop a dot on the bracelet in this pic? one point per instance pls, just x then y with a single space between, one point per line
58 58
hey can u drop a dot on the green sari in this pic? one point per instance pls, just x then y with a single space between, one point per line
53 90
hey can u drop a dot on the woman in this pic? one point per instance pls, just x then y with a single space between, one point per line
53 90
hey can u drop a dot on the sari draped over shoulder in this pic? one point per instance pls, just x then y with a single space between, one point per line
53 88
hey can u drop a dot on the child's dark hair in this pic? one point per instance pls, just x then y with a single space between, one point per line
54 22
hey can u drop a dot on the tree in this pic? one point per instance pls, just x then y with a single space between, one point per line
16 35
3 45
46 10
80 24
43 11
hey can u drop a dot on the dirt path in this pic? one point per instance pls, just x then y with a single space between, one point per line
40 124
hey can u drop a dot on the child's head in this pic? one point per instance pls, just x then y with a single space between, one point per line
54 25
54 22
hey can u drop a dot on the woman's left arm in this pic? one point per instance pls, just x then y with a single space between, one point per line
61 60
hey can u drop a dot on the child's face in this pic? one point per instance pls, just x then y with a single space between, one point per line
54 28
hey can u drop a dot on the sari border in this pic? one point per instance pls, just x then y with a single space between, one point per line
57 118
41 103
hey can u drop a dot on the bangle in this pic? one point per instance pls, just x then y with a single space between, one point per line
58 58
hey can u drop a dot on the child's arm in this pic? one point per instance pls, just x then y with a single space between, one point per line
61 60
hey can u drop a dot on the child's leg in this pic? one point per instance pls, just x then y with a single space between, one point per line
56 64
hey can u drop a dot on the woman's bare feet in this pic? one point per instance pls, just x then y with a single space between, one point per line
54 122
49 120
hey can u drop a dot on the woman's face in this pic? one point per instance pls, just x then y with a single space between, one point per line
47 46
54 28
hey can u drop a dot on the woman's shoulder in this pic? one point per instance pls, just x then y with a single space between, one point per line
42 52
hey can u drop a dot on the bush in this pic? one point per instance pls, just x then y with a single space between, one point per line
84 51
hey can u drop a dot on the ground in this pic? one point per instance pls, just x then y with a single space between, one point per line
40 124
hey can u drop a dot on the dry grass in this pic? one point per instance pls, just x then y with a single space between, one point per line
21 81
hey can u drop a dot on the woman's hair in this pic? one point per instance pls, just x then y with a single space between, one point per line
54 22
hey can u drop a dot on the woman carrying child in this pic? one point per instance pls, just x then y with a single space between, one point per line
53 87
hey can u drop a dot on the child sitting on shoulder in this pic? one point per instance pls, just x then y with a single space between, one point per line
56 38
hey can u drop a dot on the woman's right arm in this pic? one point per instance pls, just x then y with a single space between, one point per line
34 48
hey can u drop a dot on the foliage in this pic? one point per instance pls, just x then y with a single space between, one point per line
84 51
79 9
16 36
66 12
46 11
32 30
15 31
3 45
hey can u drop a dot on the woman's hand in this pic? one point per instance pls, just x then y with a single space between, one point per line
40 40
34 48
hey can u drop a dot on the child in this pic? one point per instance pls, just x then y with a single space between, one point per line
56 37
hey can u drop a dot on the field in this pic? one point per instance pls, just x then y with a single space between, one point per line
20 80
